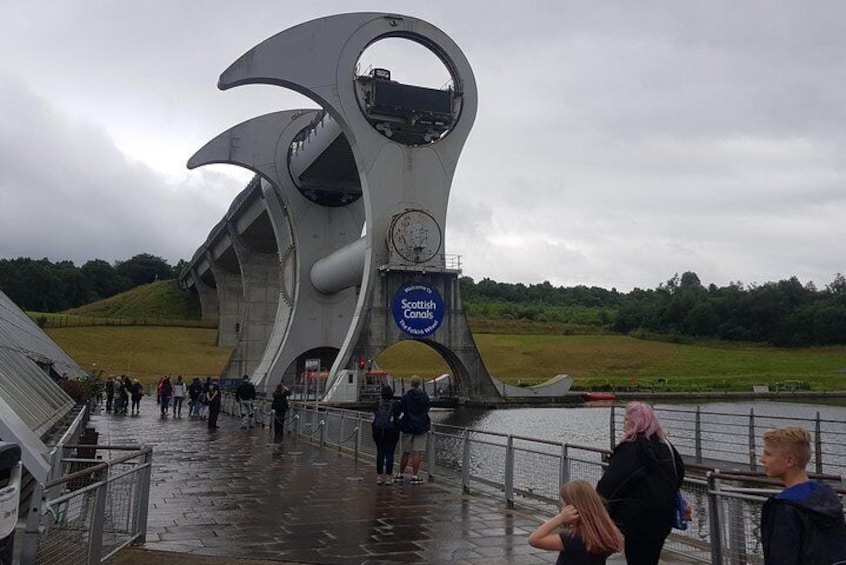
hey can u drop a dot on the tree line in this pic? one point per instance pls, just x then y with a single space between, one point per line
783 313
44 286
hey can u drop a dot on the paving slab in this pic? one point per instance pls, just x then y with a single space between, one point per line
232 496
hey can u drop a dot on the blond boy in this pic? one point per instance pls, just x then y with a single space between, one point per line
803 524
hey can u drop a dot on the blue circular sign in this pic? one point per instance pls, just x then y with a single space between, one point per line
418 310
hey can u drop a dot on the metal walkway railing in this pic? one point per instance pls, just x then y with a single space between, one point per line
527 472
735 437
94 508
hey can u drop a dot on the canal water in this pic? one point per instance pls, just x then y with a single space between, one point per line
589 426
726 436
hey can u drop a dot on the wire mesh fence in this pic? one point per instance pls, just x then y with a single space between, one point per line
90 514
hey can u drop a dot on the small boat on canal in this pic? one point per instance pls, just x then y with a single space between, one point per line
594 396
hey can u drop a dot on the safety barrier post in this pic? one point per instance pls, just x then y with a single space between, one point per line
818 450
144 475
752 459
509 472
564 465
29 549
430 455
612 428
465 462
95 536
715 524
698 435
341 431
358 436
323 427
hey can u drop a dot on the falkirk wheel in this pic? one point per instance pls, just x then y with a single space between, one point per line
335 251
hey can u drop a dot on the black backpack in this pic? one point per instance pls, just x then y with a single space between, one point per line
384 419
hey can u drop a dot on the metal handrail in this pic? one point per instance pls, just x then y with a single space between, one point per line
82 508
530 475
709 435
100 465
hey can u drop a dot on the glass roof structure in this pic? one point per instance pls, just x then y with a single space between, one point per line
31 401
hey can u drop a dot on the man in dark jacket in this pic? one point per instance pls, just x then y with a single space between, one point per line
804 523
110 393
414 424
245 394
194 391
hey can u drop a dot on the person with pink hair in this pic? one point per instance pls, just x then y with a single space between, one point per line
639 485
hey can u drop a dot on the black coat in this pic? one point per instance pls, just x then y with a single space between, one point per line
804 526
245 391
414 407
214 403
280 402
195 389
640 485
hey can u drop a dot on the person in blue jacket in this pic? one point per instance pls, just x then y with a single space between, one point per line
414 424
804 523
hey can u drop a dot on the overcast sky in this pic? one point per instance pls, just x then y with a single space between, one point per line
616 143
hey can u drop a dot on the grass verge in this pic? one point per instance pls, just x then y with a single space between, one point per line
621 361
144 352
595 361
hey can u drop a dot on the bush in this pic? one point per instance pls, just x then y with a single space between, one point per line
82 389
75 389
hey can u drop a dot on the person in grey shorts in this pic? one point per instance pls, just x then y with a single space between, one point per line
414 424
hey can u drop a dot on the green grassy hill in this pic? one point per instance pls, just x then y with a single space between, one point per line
516 351
615 361
162 299
145 352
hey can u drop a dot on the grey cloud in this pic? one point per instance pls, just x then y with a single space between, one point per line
614 144
68 193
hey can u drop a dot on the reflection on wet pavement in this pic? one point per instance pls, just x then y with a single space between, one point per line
233 493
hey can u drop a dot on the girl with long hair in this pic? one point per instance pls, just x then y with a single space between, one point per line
589 535
640 482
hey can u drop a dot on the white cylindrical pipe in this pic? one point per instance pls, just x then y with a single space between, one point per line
340 269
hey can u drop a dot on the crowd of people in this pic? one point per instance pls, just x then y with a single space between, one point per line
633 507
120 392
201 397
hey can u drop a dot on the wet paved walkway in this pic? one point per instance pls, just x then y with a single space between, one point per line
233 494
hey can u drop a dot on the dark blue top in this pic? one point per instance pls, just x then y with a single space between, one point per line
575 552
803 525
414 407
